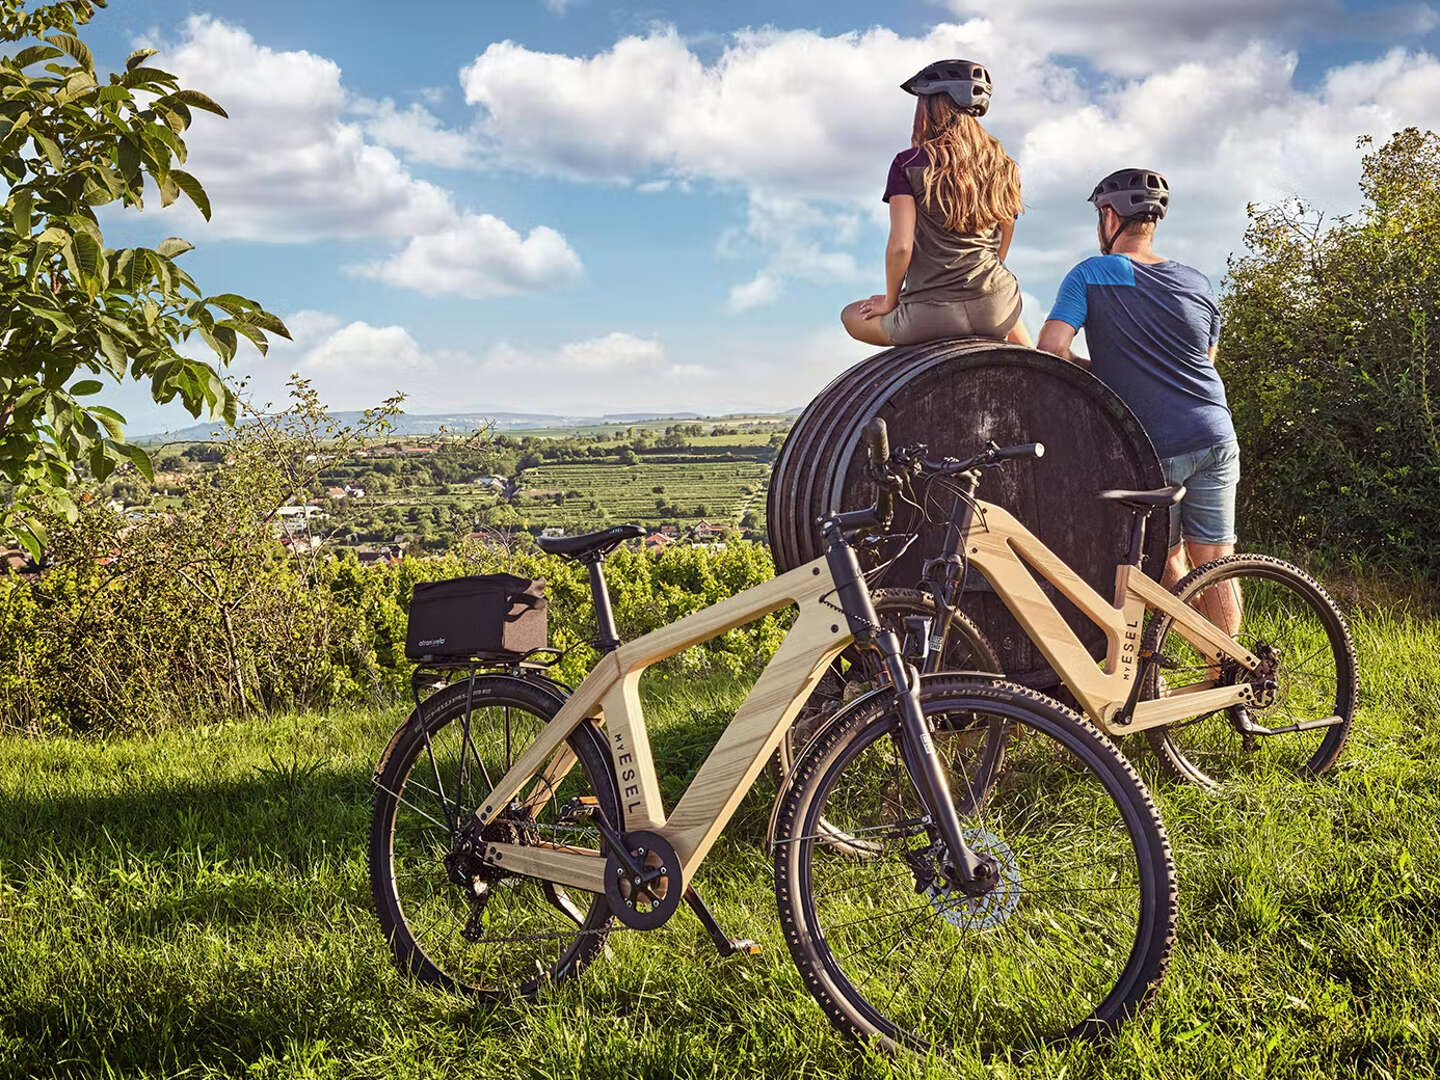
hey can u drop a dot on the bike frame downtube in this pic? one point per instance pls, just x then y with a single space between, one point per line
917 749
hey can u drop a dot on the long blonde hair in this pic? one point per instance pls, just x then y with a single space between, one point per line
970 180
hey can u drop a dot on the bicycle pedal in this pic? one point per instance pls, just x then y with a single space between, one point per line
746 947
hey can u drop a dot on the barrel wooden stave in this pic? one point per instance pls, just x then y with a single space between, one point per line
955 396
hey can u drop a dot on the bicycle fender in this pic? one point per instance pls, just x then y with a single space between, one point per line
558 691
863 701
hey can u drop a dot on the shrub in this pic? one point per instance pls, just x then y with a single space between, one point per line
1330 360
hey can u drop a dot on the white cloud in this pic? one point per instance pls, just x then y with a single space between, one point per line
1129 38
558 7
805 124
479 256
764 288
612 353
290 165
416 133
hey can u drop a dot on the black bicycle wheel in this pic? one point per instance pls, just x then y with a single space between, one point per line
965 648
1307 674
1073 938
450 919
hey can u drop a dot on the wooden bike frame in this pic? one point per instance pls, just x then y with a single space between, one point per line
1005 552
610 695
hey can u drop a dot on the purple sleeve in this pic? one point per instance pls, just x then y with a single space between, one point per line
897 183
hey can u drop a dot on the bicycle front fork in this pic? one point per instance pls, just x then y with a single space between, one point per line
964 869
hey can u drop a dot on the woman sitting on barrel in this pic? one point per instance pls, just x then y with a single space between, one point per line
954 196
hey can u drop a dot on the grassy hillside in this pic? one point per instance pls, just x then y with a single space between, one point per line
196 904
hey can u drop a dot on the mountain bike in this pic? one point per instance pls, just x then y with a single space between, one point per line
1193 689
516 823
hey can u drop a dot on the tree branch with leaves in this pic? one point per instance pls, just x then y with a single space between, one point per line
74 313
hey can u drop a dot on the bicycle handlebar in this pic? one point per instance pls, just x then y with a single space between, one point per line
991 456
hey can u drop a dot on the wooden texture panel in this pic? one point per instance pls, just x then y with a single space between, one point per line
955 396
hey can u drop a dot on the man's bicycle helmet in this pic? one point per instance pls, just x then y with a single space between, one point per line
967 83
1134 194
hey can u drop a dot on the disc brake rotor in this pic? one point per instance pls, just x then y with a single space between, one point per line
994 907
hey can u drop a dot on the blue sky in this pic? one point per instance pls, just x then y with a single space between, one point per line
587 207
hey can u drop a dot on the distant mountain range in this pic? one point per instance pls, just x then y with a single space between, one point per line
430 423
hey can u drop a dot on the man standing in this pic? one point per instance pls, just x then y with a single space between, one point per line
1152 326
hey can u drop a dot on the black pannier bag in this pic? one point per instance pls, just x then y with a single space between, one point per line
484 615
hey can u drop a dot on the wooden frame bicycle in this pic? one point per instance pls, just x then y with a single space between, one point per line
1005 552
610 694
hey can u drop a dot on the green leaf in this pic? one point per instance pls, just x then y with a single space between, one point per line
113 93
267 322
113 353
138 458
34 54
75 48
254 333
138 57
141 76
31 535
50 150
112 421
127 159
196 100
86 387
191 187
22 208
58 319
169 189
87 259
172 246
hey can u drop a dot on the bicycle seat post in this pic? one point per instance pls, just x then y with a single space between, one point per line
607 636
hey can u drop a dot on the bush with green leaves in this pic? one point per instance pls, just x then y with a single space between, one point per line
1331 359
119 642
72 311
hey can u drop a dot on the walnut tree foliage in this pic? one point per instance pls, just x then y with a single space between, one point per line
1331 360
74 313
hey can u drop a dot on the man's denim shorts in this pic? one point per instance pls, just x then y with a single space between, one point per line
1207 513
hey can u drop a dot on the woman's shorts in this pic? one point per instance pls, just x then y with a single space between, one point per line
1207 513
992 316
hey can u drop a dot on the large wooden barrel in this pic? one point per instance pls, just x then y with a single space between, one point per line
955 396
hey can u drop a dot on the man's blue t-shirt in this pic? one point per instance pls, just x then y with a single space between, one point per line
1150 327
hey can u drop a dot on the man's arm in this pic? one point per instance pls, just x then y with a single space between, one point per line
1066 317
1055 337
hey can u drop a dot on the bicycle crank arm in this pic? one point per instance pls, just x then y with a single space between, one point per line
724 943
1245 726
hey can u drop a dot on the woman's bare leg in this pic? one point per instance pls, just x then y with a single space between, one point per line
862 329
1020 336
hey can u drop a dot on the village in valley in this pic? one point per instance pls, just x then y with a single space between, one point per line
686 481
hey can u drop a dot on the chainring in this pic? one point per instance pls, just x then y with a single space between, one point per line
646 901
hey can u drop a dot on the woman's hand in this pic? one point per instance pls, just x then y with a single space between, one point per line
877 305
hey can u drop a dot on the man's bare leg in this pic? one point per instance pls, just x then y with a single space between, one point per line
1221 604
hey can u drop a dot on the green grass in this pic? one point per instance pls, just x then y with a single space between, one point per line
195 903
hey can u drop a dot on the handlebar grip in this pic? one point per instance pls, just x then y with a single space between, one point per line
877 442
1024 450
